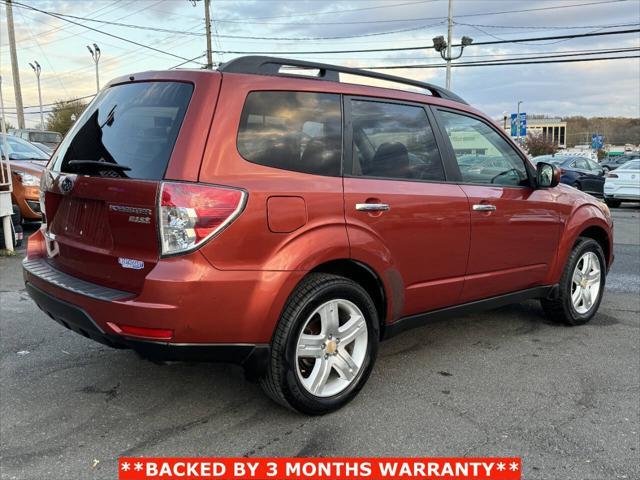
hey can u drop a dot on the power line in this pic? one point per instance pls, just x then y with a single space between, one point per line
99 31
428 47
501 64
201 34
546 27
585 54
340 37
348 10
429 18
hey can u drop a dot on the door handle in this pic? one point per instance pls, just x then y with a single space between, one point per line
372 207
484 207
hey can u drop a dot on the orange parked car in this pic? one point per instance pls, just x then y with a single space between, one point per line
290 223
27 164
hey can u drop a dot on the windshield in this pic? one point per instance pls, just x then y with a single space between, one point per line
22 150
633 165
134 125
45 137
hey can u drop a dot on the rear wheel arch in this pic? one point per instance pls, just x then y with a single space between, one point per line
599 235
363 275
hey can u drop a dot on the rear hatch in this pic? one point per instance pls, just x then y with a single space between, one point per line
101 189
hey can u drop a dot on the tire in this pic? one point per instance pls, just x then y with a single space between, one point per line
612 202
563 309
307 308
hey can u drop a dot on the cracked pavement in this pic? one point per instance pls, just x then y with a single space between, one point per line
502 383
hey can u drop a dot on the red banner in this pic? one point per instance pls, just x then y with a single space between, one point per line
131 468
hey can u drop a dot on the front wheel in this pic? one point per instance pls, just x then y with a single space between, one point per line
581 285
324 346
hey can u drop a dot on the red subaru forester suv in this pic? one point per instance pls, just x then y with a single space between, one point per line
270 215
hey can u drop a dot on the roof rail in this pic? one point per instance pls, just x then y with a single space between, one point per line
262 65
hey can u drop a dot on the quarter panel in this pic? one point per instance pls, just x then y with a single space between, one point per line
580 216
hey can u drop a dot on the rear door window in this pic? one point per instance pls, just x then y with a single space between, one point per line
299 131
131 129
392 140
581 164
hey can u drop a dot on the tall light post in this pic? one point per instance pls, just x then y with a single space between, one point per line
443 47
519 121
95 54
36 69
449 33
504 119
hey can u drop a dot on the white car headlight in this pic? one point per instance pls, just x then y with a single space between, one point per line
27 179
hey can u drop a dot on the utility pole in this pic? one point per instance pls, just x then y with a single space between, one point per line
207 19
449 33
6 185
36 69
14 64
95 54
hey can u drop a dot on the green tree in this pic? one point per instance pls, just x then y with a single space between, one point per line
60 117
538 145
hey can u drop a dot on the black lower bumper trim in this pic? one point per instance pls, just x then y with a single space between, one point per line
253 357
413 321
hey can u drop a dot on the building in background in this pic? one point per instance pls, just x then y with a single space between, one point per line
552 129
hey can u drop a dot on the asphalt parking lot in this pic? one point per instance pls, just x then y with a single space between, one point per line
504 383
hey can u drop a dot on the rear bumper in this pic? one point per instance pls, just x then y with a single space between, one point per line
252 357
28 202
622 192
213 315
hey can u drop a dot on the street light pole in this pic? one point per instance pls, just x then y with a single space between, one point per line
95 54
449 33
518 119
37 69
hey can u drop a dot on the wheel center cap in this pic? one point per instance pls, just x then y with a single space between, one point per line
583 283
332 346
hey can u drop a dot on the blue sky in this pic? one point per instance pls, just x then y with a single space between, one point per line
607 88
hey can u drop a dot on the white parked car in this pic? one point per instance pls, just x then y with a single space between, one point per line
623 184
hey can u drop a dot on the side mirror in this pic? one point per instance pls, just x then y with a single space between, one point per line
547 175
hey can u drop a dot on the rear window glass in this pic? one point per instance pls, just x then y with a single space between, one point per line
131 129
45 137
298 131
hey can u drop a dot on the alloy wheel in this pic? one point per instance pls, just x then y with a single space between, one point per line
585 283
331 348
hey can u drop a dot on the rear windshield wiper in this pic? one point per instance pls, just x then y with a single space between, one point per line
97 163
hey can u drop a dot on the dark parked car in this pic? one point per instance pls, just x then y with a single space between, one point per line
579 172
612 163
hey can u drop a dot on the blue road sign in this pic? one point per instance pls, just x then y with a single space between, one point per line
597 141
523 124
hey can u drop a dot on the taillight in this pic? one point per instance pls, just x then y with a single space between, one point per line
611 175
45 184
190 214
